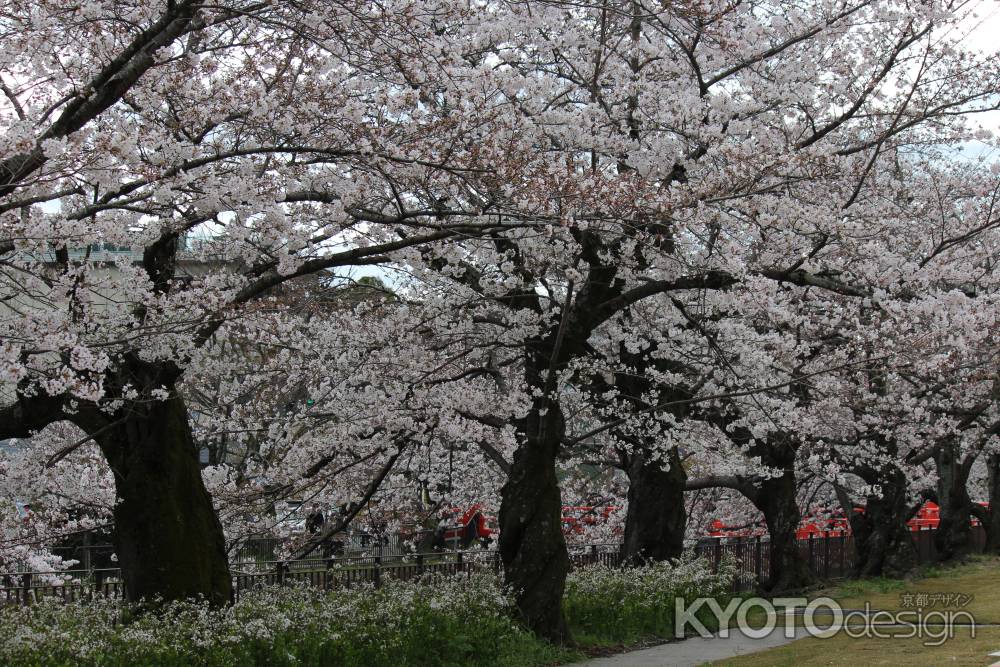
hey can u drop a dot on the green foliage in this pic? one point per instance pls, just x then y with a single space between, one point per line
621 606
467 622
460 622
862 587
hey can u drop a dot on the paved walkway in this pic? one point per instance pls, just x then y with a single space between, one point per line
694 652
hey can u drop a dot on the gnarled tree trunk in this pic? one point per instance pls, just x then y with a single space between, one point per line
882 541
656 518
775 497
991 516
953 537
169 540
532 546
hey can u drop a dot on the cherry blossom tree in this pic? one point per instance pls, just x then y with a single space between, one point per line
287 138
697 169
672 210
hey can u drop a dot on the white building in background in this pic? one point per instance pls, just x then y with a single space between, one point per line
195 259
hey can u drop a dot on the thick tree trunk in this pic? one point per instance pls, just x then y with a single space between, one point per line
532 546
882 541
169 540
953 537
776 499
656 517
992 523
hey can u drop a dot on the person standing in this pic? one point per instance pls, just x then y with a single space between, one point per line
315 520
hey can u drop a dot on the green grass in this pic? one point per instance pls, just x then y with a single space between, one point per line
977 578
862 587
962 651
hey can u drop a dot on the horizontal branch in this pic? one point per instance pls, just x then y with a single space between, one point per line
716 397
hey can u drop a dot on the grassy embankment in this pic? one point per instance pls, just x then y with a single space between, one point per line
979 579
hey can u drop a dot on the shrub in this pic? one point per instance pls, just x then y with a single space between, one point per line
605 604
455 622
458 621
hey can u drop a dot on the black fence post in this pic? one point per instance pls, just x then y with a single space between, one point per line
420 564
280 573
460 559
812 556
87 562
826 554
26 584
377 573
328 574
717 560
758 561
